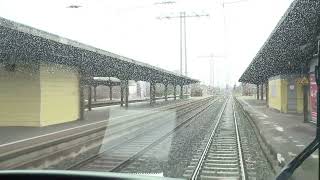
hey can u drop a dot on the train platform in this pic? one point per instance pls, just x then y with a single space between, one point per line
97 116
108 102
285 135
101 128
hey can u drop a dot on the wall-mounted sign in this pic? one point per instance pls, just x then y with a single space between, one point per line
302 81
291 87
313 97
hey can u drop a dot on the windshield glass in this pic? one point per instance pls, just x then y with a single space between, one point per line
222 89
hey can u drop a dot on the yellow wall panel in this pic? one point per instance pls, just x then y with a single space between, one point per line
278 95
278 98
274 94
59 94
20 96
284 95
299 98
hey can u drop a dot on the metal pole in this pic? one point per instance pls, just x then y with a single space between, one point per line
181 13
154 93
95 93
121 93
89 98
181 91
110 93
182 16
267 93
185 50
257 91
151 94
174 92
261 91
127 93
81 87
185 45
166 92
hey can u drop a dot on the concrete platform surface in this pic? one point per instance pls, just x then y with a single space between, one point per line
286 135
9 135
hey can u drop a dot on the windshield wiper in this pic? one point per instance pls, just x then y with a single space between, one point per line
288 170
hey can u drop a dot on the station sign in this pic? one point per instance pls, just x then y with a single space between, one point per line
302 81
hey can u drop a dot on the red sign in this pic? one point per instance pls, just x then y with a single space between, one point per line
313 97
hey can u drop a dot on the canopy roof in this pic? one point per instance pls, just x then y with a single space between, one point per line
101 81
21 43
290 46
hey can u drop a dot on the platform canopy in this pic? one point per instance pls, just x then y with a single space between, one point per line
98 81
290 46
24 44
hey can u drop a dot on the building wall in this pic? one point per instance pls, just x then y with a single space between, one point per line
275 100
284 95
20 96
278 94
299 98
60 98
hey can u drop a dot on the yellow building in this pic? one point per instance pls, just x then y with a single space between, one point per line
285 94
38 95
40 73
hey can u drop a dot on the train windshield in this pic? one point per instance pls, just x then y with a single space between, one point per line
210 89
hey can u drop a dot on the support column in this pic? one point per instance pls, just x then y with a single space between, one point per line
150 90
257 91
174 92
166 92
261 86
267 93
110 93
89 98
95 93
305 103
152 93
81 99
181 91
121 92
127 93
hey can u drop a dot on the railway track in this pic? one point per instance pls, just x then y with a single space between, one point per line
127 128
120 155
221 154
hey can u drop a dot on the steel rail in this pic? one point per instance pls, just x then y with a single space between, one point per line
205 152
240 154
205 100
178 127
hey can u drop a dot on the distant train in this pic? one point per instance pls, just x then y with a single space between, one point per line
196 92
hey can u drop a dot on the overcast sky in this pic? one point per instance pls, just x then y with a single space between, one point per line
131 28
